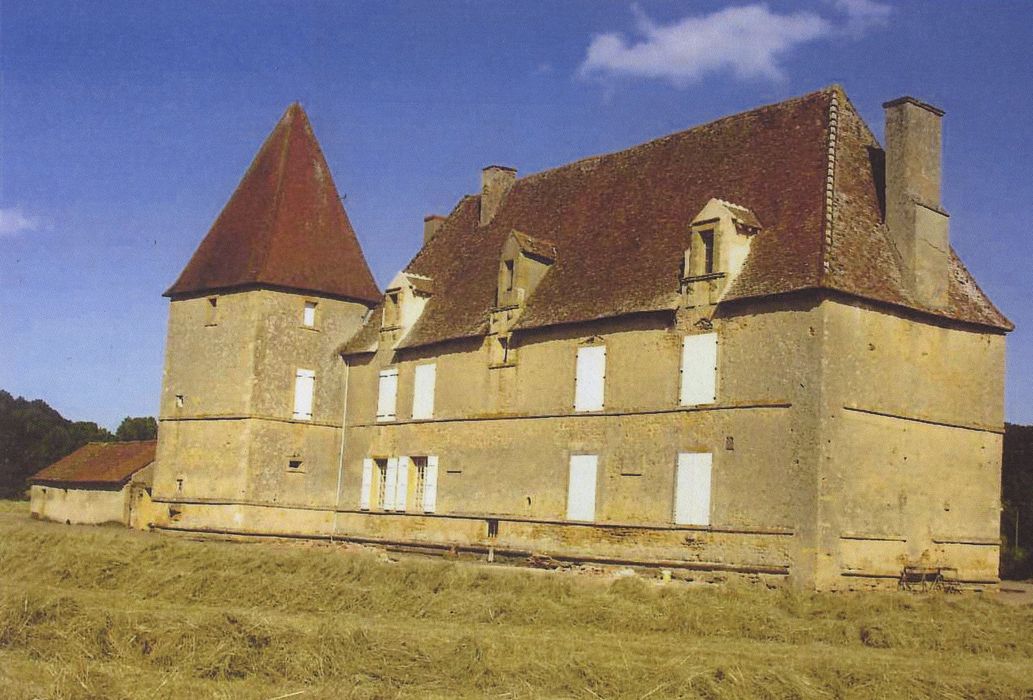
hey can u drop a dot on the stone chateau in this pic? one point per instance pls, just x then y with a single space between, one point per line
746 348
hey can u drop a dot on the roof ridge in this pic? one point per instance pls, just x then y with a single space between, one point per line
698 127
281 167
829 200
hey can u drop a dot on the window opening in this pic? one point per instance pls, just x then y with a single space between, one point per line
381 483
708 251
309 315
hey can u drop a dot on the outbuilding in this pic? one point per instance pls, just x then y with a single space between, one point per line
101 482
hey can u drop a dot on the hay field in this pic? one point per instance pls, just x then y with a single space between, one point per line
107 613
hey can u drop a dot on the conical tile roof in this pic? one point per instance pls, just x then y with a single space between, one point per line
284 226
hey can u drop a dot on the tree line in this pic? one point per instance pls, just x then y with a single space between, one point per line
34 435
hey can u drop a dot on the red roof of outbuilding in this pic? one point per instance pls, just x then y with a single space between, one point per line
284 226
99 463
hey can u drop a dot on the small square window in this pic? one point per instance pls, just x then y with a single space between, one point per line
294 465
309 315
179 400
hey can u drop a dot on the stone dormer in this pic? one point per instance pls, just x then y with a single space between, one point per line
719 241
404 301
522 265
523 262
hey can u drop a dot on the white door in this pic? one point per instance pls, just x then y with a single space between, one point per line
692 489
581 487
590 378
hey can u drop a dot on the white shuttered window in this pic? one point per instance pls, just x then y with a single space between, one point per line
581 487
430 485
366 490
423 391
390 483
308 317
388 395
402 485
590 378
699 369
692 489
304 385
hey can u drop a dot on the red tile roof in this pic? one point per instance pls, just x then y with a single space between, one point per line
284 226
97 463
620 223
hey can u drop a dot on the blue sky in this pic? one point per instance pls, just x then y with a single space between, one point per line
124 127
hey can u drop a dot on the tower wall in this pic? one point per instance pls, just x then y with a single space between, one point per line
228 430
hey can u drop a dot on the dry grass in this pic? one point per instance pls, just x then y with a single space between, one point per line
103 612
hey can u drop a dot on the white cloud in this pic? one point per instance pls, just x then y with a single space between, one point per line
748 41
13 222
862 15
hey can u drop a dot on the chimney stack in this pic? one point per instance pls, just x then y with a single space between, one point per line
431 225
495 183
917 223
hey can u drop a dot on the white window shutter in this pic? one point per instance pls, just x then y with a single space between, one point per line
699 369
390 483
304 385
581 487
430 485
424 378
367 484
692 489
309 316
402 484
388 395
590 377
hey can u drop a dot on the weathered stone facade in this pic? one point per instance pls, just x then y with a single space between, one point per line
828 424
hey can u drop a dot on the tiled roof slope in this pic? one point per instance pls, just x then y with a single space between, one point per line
99 463
860 258
620 224
284 226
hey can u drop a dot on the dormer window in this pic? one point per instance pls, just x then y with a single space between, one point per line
404 302
391 309
707 238
719 241
523 264
509 274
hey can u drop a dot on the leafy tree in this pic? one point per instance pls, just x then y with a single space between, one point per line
34 435
1017 502
140 428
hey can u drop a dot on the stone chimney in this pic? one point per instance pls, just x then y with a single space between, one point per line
495 183
917 223
431 225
